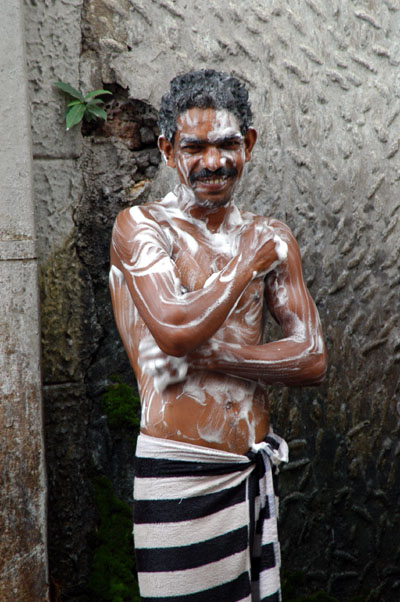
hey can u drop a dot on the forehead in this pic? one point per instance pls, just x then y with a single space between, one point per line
207 123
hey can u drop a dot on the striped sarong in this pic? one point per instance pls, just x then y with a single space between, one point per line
205 522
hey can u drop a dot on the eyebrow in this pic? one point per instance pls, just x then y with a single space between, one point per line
191 140
199 141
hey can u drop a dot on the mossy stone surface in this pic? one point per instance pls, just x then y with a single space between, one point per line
112 575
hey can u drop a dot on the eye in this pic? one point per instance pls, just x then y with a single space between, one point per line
231 144
191 149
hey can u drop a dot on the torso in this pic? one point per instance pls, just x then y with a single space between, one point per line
208 409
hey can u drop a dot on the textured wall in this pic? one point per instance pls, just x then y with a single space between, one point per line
53 35
23 558
325 85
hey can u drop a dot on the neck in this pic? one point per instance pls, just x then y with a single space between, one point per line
213 218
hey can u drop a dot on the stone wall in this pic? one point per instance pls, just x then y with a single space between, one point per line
325 86
53 36
23 549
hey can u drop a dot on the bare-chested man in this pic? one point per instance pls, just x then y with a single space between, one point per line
190 278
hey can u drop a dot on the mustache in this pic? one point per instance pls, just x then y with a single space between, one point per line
226 172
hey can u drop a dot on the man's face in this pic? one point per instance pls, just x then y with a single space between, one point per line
209 153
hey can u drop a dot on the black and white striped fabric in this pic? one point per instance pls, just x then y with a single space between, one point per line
205 522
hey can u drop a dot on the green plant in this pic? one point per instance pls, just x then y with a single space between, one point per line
112 576
120 404
82 106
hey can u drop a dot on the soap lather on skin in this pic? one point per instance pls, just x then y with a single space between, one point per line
164 369
281 250
197 276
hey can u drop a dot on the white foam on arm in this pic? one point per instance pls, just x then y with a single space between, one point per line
147 254
281 248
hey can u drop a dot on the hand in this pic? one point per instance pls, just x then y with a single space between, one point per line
262 248
202 357
164 369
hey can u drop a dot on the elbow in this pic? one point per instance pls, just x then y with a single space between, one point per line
174 341
175 337
317 368
322 363
317 363
173 347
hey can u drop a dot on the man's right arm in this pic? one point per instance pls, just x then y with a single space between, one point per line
179 321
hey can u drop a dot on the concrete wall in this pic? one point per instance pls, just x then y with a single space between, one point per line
324 82
53 34
23 557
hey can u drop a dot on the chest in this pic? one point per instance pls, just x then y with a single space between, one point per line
198 255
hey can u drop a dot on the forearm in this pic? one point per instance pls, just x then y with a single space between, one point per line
285 362
182 306
181 322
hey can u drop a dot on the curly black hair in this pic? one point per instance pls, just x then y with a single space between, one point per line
205 89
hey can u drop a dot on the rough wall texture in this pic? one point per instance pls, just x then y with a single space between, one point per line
325 85
23 557
53 34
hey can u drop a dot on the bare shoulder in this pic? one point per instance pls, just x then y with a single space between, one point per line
292 266
293 262
136 227
132 219
279 227
137 213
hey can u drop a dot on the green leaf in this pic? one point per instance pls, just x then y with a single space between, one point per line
68 89
96 93
95 101
74 115
74 102
96 111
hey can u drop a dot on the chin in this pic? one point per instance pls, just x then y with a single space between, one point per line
210 203
213 200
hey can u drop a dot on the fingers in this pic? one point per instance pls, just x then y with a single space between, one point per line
162 368
173 372
265 250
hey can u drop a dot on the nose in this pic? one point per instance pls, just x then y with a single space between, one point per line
212 158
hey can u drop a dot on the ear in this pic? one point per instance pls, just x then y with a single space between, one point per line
167 150
250 139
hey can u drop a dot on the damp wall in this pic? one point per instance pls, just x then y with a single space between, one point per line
23 549
324 80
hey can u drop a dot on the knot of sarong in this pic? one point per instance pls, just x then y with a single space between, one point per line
273 446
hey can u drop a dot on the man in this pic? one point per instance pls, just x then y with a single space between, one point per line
190 278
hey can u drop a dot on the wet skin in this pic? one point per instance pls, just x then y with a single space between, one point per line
190 278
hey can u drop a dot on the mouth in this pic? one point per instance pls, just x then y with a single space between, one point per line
212 181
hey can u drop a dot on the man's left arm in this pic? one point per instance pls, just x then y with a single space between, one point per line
299 358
